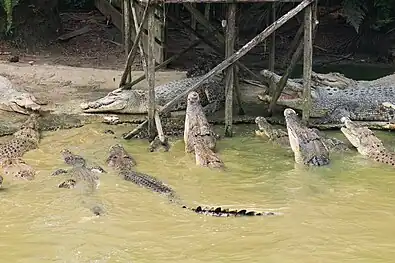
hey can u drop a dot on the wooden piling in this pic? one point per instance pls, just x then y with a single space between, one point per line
272 52
241 52
133 52
307 62
151 72
136 28
127 33
229 80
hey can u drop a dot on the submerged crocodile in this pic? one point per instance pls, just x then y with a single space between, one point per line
124 164
212 95
25 139
16 101
334 96
81 176
307 145
367 142
281 137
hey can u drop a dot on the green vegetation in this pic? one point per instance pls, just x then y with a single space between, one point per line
8 7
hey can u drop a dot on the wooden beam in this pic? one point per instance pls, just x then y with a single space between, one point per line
133 51
127 30
107 9
215 48
164 63
307 62
229 79
221 1
240 53
151 72
136 28
272 52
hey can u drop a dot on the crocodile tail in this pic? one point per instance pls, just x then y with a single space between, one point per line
219 212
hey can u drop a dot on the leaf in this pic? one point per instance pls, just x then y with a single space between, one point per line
355 12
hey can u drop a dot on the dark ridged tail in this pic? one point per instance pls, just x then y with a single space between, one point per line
219 212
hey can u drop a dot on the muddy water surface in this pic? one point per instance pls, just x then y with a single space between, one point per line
341 213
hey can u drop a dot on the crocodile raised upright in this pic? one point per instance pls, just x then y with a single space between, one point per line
123 163
307 145
367 142
81 177
25 139
335 96
281 137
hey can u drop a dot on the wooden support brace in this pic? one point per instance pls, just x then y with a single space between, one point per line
293 46
295 57
272 54
140 43
127 33
164 63
202 20
229 79
151 73
241 52
133 51
307 62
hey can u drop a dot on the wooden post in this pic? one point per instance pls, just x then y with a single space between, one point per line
236 76
133 51
151 72
295 57
127 34
214 47
307 62
241 52
207 11
229 80
272 52
136 28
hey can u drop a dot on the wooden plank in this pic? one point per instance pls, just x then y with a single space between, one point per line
116 17
307 62
240 53
74 33
127 30
219 1
151 73
108 10
229 79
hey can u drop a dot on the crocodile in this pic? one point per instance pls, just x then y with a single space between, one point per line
199 136
307 145
129 101
25 139
81 177
334 96
367 142
281 137
121 161
13 100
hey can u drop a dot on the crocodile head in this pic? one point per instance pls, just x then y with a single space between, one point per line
72 159
362 138
119 158
305 143
264 127
120 101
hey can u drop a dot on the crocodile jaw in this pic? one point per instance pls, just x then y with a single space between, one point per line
118 101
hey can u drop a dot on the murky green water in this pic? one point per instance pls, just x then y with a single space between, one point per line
341 213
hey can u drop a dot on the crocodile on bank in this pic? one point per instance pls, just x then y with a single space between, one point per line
281 137
133 101
16 101
334 96
82 177
121 161
307 145
25 139
367 142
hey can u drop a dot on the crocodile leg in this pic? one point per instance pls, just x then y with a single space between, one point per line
69 184
59 172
